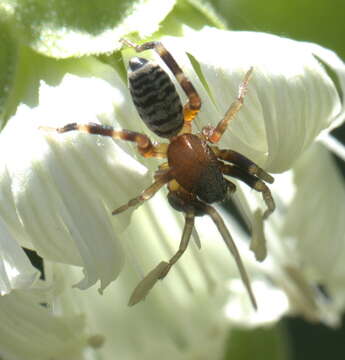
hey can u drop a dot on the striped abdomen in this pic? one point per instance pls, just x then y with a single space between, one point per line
155 97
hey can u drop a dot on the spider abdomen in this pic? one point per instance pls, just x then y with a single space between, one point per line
155 97
196 168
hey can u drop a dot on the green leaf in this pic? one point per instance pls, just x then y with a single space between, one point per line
8 64
297 19
32 68
194 13
64 28
268 343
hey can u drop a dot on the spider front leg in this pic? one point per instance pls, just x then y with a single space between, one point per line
145 147
243 162
192 107
214 134
254 182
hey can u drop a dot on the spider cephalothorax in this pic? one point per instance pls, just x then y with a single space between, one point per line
195 168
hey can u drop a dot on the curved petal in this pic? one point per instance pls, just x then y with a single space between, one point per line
63 207
29 331
16 271
291 98
318 236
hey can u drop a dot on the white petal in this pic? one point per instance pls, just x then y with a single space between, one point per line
65 186
290 99
162 324
337 66
28 331
16 271
273 304
315 218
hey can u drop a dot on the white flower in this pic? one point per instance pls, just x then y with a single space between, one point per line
15 268
313 231
30 331
60 189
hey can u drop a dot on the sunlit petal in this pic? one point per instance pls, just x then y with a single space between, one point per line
291 98
16 271
48 185
29 331
315 218
273 304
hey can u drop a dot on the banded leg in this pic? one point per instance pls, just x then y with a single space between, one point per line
192 107
214 134
144 144
244 163
146 194
254 182
162 269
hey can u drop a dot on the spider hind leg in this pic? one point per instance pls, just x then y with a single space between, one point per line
163 268
185 202
181 202
145 146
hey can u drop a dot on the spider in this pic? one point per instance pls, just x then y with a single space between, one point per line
195 168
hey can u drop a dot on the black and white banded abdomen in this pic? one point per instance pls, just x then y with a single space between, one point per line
155 97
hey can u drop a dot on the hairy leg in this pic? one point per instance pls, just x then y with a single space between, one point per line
145 147
243 162
254 182
214 134
160 181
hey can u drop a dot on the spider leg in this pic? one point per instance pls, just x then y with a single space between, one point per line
254 182
162 269
192 107
187 232
214 134
243 162
233 249
145 147
183 202
160 181
231 186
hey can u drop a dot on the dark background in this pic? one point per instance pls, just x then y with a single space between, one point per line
322 22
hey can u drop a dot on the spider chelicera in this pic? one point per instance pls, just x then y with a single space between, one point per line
195 169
